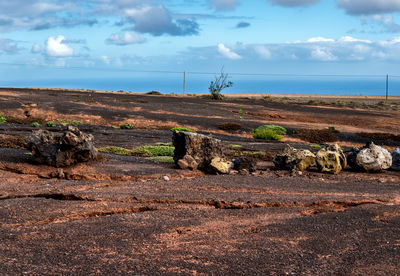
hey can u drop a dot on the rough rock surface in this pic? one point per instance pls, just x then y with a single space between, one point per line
331 159
71 147
245 163
294 159
193 150
396 159
371 158
220 165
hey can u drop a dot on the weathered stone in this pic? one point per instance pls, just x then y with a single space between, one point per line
331 159
220 165
60 150
196 150
294 159
396 160
187 162
371 158
247 163
352 159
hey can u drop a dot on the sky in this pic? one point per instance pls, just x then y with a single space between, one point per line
104 37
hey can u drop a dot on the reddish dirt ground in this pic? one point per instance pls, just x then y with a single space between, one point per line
118 215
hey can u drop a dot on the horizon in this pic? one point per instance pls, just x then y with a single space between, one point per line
347 37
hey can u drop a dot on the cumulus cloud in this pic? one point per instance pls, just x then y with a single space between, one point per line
8 46
368 7
56 47
36 48
41 14
294 3
126 39
224 5
262 51
322 54
228 53
242 25
157 20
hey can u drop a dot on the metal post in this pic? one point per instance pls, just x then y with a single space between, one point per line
184 82
387 87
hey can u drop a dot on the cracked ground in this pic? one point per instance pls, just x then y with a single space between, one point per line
119 216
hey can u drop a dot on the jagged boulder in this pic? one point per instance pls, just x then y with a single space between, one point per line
396 160
294 159
331 159
371 158
245 163
60 150
197 151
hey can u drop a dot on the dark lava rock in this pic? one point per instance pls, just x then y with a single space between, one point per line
193 150
245 163
396 160
65 149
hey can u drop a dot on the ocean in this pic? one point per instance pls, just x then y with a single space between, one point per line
198 84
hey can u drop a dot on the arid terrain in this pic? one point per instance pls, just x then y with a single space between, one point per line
127 214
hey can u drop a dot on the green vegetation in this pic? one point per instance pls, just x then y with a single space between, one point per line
158 150
126 126
218 85
316 146
235 146
66 122
181 129
241 113
161 159
332 128
2 119
116 150
50 124
269 132
35 124
144 151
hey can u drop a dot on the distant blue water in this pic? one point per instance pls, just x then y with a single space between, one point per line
199 84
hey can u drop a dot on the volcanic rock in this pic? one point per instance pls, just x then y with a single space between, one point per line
371 158
220 165
396 159
331 159
193 150
60 150
294 159
246 163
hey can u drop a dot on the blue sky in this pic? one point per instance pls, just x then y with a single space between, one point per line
252 36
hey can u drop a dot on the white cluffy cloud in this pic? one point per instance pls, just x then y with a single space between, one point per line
228 53
126 39
56 47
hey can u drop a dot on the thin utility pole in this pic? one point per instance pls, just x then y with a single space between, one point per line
387 87
184 82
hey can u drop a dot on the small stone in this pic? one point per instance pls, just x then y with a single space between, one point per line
165 178
244 172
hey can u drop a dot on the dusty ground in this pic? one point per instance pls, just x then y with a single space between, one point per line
118 215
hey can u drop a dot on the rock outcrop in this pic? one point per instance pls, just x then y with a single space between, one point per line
60 150
331 159
371 158
197 151
396 160
294 159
